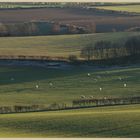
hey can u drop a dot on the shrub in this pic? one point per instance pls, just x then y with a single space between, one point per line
72 58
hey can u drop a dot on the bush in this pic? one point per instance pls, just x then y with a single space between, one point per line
72 58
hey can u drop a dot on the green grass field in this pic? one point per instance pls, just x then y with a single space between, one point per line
67 84
128 8
55 46
18 86
117 121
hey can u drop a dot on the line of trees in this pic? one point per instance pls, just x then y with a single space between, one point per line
16 29
106 101
81 103
35 28
107 50
31 108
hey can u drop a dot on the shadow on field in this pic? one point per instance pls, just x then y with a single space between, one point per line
20 74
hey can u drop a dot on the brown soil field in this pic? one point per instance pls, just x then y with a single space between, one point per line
80 17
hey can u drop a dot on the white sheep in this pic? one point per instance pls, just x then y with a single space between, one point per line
37 86
91 96
124 85
82 96
51 84
100 89
88 74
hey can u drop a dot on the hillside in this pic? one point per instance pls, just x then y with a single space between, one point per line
69 70
125 8
65 84
55 46
118 122
88 18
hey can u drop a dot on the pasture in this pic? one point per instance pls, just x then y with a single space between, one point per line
126 8
117 121
28 85
42 85
55 46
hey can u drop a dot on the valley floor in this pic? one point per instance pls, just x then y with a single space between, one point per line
56 85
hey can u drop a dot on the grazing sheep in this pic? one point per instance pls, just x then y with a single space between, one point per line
50 84
88 74
100 89
91 97
37 86
124 85
82 96
105 97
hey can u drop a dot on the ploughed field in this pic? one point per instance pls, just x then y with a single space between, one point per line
28 85
104 21
126 8
115 121
55 46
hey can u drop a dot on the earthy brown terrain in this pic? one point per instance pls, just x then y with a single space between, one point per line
81 17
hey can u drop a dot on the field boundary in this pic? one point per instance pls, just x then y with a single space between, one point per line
76 104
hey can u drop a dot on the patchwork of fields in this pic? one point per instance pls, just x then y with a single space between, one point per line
88 18
41 85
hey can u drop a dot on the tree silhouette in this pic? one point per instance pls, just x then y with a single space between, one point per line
87 52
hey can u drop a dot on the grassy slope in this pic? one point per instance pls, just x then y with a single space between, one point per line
117 121
68 84
128 8
53 46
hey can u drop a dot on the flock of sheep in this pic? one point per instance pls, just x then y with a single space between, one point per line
82 96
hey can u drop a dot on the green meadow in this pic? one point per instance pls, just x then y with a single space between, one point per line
116 121
23 86
127 8
63 85
55 46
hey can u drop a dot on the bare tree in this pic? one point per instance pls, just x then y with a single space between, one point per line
72 58
87 52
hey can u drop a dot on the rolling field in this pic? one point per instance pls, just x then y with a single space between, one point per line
104 21
63 85
33 87
55 46
127 8
29 87
117 121
50 14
